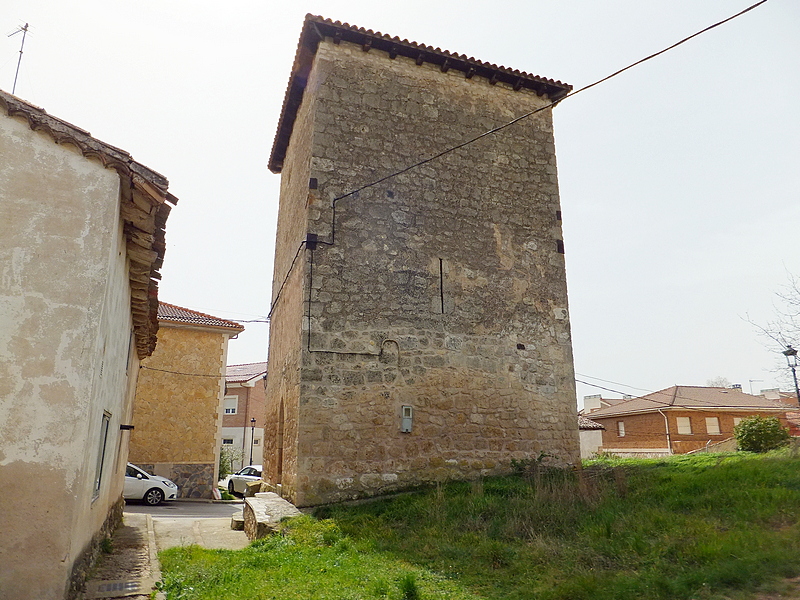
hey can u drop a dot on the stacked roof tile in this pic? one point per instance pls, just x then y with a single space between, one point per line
316 28
177 314
245 372
692 397
587 424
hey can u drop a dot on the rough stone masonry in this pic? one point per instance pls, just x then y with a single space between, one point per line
419 327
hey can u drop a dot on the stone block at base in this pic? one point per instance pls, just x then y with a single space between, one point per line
264 512
237 521
252 488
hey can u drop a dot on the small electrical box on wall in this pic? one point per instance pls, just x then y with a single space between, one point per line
407 416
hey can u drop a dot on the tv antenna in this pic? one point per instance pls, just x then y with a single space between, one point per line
24 31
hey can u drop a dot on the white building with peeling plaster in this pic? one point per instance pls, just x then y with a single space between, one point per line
81 242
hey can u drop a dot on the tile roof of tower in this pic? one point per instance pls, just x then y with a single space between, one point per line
316 28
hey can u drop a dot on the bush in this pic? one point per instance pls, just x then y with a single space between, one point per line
760 434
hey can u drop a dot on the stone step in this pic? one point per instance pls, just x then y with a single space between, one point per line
264 512
237 521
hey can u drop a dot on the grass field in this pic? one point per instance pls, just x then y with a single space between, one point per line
699 527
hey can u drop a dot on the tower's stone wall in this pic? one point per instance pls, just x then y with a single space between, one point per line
442 289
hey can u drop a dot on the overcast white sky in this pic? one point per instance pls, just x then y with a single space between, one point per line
679 179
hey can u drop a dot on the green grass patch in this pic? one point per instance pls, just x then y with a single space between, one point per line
701 527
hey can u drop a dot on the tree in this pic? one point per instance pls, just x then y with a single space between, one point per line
784 329
719 382
227 456
760 434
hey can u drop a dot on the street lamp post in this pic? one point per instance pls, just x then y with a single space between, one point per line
791 360
253 432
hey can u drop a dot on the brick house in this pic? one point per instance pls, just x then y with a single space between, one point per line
419 327
244 411
178 409
679 419
81 244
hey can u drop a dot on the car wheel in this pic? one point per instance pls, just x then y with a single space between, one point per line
154 496
231 489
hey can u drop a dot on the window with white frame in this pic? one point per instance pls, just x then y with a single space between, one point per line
737 420
231 404
256 442
712 425
621 428
684 425
227 441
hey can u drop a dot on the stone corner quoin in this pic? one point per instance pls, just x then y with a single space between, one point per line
434 302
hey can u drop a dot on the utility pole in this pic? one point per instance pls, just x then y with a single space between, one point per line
24 30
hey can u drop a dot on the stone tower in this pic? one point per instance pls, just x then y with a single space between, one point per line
419 327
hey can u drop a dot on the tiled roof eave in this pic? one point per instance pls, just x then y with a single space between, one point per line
317 28
144 210
705 408
240 380
178 316
179 323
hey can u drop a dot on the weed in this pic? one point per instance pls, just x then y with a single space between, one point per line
106 545
380 588
408 587
498 554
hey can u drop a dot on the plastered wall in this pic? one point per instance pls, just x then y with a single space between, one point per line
65 335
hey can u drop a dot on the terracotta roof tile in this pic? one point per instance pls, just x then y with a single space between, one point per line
316 27
176 314
245 372
587 424
693 397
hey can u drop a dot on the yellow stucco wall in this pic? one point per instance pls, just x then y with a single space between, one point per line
177 411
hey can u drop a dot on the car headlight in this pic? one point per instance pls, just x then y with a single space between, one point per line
170 484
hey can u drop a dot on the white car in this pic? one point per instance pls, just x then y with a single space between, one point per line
237 484
140 485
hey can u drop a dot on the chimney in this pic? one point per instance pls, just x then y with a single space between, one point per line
591 403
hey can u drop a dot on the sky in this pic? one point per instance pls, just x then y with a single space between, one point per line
679 178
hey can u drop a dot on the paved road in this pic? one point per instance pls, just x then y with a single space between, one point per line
184 509
183 523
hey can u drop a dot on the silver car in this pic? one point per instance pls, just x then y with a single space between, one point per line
237 484
153 489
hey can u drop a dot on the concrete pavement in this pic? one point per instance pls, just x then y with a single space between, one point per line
132 568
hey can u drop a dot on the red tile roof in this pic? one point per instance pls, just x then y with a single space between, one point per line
143 210
587 424
315 28
169 313
245 372
691 397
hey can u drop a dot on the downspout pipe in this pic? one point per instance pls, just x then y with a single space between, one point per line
666 427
